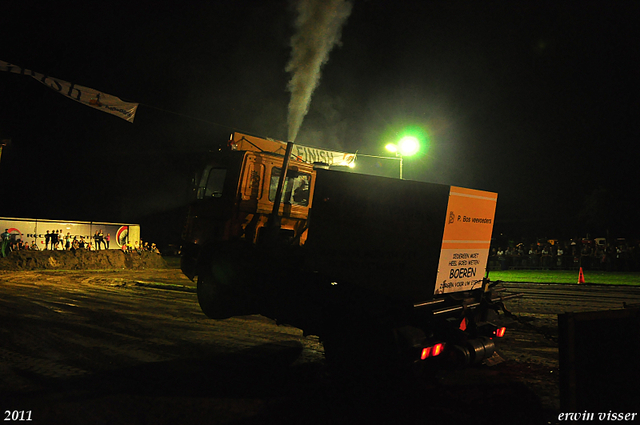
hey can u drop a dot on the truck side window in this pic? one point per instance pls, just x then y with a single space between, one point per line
212 183
296 187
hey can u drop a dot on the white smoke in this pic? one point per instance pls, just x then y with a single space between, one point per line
318 27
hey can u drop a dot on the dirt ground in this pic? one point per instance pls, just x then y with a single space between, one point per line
129 344
81 259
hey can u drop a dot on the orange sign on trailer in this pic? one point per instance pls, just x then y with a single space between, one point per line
466 240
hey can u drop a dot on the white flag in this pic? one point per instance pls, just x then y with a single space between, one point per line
85 95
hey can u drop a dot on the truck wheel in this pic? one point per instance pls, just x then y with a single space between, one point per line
219 293
214 299
359 351
343 357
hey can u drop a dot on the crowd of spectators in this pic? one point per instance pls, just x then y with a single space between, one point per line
140 247
58 241
17 245
586 253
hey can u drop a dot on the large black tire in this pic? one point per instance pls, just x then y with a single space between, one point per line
222 286
215 300
360 348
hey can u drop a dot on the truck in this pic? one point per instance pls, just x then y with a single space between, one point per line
390 274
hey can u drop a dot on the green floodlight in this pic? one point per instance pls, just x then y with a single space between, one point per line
411 141
409 145
406 146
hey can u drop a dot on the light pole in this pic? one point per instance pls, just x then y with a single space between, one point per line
394 149
407 146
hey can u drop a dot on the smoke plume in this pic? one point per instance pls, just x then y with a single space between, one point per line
318 26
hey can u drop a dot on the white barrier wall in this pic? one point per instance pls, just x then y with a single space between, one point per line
34 230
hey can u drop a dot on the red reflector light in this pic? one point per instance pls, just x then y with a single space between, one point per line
500 332
426 352
463 325
437 349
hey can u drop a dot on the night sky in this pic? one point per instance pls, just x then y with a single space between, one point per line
538 101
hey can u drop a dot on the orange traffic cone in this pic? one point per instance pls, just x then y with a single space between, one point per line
580 276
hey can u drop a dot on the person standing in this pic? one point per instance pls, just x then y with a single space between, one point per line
47 240
6 236
107 239
559 253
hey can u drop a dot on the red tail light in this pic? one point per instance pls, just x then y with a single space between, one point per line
432 351
500 332
426 352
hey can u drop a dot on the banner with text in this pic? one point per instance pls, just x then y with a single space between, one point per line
466 240
85 95
302 153
312 155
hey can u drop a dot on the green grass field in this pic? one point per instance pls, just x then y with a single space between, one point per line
566 276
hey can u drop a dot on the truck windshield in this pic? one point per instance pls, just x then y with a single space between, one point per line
211 183
296 188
